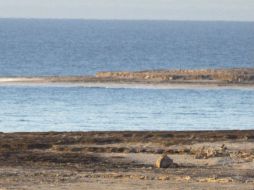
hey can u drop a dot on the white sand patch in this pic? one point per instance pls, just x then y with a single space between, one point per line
19 79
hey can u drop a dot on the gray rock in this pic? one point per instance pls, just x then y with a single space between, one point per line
164 162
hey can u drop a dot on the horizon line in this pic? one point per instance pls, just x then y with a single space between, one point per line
122 19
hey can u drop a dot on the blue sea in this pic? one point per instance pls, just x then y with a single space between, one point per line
30 47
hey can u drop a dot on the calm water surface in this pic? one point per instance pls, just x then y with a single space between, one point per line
89 109
80 47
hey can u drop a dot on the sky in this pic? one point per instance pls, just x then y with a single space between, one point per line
228 10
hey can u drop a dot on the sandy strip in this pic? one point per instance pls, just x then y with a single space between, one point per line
100 83
20 79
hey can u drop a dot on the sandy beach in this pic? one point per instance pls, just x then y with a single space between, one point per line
126 160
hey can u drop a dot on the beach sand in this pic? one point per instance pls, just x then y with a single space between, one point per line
125 160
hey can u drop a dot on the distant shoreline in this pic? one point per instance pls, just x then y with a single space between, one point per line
211 78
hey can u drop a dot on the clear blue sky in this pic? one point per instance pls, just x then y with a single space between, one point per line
236 10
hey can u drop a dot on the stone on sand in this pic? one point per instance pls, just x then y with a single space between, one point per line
164 162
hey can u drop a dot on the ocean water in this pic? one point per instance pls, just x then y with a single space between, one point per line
44 108
76 47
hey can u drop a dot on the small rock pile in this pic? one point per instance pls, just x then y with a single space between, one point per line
210 152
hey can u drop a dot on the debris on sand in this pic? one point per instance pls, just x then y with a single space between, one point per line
206 152
216 180
246 156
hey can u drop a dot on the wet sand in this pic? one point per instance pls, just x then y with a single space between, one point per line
125 160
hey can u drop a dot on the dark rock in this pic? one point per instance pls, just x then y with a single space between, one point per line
164 162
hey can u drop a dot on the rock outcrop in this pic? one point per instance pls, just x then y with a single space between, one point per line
228 75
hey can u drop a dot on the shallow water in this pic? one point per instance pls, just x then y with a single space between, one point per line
24 108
